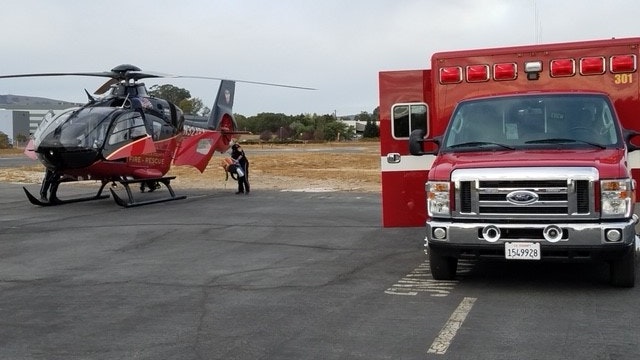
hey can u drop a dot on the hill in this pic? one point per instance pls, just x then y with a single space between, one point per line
31 102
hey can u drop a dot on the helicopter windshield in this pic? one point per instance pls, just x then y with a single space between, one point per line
84 128
50 121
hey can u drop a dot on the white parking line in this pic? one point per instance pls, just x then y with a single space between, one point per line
449 330
420 280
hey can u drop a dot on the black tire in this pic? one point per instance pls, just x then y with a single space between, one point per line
442 267
623 270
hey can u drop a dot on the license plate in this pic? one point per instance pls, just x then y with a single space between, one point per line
522 250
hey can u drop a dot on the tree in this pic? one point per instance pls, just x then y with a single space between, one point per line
4 141
303 127
21 138
350 133
266 135
179 96
170 93
363 117
241 121
371 130
191 106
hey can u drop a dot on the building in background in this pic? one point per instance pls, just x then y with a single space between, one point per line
35 107
15 124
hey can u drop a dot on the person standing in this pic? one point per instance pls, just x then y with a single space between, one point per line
238 155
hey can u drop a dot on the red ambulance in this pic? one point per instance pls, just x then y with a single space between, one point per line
517 153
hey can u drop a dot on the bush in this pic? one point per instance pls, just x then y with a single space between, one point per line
4 141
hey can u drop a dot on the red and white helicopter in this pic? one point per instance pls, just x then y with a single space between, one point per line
127 137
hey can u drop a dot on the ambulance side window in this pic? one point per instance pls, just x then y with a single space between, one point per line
408 117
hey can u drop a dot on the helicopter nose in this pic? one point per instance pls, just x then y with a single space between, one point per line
62 158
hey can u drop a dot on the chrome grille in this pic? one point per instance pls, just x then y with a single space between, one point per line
559 193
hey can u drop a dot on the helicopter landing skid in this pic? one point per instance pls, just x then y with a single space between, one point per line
130 202
54 200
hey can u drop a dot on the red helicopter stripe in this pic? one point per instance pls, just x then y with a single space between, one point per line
141 146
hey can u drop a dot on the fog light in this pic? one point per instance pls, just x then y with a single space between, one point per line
439 233
552 233
613 235
491 233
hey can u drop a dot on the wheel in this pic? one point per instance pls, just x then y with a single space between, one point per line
442 267
623 270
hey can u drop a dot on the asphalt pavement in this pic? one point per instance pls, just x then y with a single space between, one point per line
280 275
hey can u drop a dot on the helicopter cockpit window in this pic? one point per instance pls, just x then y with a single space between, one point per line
128 126
161 129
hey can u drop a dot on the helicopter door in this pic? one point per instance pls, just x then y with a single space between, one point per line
128 137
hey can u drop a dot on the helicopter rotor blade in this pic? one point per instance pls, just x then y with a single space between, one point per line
126 72
106 86
100 74
122 72
242 81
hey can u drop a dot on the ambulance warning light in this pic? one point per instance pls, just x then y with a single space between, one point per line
451 75
592 65
623 63
562 67
477 73
533 69
505 71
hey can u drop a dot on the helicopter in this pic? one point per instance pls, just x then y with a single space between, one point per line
125 136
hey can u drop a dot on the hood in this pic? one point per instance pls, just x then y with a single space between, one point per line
611 163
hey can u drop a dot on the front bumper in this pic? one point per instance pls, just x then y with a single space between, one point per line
563 241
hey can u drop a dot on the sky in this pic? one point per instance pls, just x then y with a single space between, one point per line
335 46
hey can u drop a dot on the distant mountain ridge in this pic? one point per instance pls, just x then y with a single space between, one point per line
33 103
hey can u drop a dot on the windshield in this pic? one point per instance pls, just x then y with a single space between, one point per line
86 128
533 122
50 122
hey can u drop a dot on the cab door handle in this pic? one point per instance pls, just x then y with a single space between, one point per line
393 158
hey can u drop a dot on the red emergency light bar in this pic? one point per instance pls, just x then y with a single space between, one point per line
622 63
562 67
592 65
451 75
505 71
477 73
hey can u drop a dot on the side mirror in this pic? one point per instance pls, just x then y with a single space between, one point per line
632 139
416 141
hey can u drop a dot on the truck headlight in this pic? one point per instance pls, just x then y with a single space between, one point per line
438 199
616 198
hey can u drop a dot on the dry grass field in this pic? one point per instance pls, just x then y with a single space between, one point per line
353 166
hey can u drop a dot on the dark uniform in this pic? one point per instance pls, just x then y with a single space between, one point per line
243 181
